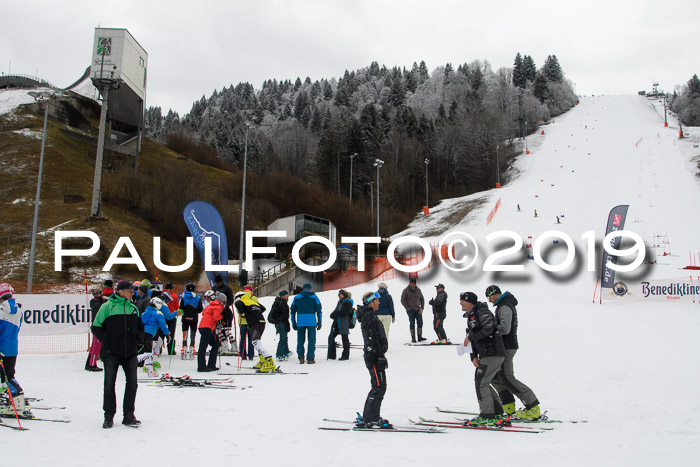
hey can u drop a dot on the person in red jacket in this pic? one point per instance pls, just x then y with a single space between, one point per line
211 315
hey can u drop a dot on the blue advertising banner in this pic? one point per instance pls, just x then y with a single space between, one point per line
203 220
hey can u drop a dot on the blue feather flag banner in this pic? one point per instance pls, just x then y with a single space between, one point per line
203 220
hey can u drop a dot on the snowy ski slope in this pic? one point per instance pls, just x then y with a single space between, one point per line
630 369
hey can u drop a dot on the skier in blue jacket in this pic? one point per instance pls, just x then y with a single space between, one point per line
155 327
306 319
10 322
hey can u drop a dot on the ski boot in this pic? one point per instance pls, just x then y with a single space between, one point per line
509 409
260 364
480 421
268 365
183 352
532 413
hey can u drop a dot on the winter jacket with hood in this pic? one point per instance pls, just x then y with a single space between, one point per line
211 315
306 309
375 342
507 319
482 332
343 314
119 327
153 320
412 299
191 306
386 303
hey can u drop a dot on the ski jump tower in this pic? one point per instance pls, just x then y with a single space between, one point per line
118 71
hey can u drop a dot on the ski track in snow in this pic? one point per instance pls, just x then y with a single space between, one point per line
627 368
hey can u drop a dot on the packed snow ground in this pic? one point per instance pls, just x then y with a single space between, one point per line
630 369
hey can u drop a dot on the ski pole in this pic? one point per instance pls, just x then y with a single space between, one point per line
12 400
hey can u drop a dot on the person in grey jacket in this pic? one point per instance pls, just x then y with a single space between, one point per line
505 381
412 300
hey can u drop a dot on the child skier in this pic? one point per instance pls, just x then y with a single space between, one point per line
154 328
191 306
10 322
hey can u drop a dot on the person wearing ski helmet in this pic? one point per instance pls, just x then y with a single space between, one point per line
191 306
245 347
505 382
375 347
10 322
249 306
211 315
155 327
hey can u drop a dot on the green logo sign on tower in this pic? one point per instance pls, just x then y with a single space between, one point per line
104 45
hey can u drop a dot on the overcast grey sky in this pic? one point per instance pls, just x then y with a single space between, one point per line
197 46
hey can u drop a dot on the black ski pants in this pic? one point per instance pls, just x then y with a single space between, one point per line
172 325
331 343
191 328
207 337
111 366
373 404
438 320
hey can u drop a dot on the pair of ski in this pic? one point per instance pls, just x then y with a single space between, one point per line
461 425
187 382
30 416
393 429
426 343
251 371
543 419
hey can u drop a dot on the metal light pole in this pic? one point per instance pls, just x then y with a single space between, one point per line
498 171
665 117
39 96
426 182
371 203
378 163
352 156
97 181
242 238
527 151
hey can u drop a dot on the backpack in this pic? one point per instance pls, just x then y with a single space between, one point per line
353 320
272 316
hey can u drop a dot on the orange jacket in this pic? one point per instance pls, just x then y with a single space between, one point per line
211 315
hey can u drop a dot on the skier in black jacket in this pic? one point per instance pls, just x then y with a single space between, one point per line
505 381
439 304
279 316
487 356
375 347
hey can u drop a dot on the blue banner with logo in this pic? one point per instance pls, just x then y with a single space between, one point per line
616 221
203 220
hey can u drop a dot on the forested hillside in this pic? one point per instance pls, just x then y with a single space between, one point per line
458 118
